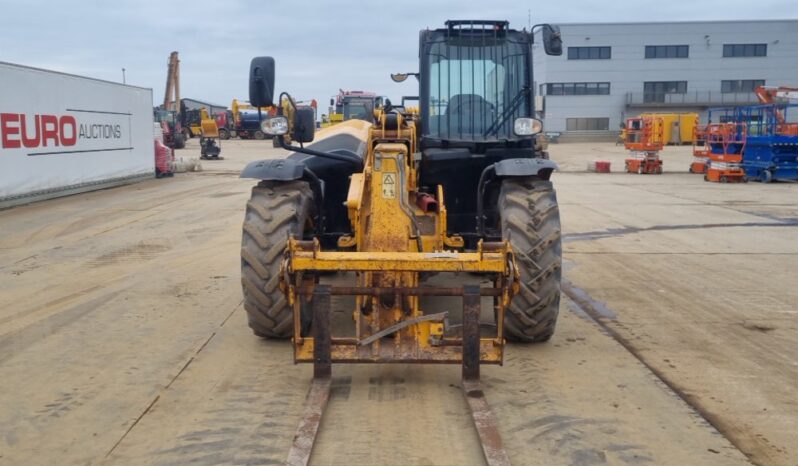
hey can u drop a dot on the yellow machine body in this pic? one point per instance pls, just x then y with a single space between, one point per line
677 128
208 126
394 243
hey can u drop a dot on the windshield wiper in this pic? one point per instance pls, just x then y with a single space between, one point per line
507 113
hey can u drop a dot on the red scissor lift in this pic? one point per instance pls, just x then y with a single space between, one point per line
725 144
700 150
644 138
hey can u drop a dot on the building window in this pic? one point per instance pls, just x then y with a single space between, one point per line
667 51
578 89
745 50
587 124
589 53
740 85
655 91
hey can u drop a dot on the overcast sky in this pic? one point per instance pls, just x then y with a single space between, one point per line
319 46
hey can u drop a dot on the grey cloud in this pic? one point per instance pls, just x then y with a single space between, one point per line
320 46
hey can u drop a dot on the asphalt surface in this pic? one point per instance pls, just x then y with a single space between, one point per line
123 339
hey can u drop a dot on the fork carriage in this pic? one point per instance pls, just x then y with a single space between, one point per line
390 325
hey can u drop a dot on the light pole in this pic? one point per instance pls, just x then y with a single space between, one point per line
123 76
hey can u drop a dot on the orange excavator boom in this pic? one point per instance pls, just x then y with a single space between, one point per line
769 94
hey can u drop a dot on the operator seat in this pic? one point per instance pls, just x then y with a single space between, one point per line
469 114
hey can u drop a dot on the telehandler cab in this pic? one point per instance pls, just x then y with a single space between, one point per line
458 187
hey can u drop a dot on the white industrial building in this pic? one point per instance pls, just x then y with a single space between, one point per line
611 71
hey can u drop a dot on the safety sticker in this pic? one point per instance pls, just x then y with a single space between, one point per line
389 185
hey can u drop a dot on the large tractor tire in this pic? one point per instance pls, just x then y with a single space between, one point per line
274 211
530 220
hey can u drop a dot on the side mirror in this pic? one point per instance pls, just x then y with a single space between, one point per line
399 77
552 40
261 82
304 125
402 77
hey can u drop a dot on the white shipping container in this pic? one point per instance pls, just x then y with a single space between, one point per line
61 134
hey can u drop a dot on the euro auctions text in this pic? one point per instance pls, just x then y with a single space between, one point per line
18 130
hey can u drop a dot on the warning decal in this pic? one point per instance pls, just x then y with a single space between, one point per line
389 185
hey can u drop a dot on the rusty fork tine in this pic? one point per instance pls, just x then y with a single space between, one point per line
305 437
484 419
486 424
319 393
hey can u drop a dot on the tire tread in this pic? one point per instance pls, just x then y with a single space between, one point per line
274 212
530 220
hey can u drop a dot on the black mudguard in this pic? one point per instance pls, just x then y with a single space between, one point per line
334 176
274 170
541 168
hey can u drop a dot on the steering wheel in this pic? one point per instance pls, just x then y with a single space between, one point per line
466 101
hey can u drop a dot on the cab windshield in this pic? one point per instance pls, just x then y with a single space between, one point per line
477 87
161 116
357 109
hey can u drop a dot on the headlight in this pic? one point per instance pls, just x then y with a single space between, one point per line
275 126
527 126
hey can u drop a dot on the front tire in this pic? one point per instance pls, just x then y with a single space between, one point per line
274 211
530 220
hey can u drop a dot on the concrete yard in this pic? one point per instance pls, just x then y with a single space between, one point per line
123 339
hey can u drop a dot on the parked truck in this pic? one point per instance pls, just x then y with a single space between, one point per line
245 119
352 105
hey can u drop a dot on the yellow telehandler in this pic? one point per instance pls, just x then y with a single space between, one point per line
459 188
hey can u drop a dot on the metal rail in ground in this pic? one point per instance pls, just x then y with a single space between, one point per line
319 394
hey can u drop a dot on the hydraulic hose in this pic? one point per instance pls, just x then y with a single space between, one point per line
328 155
484 179
404 203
